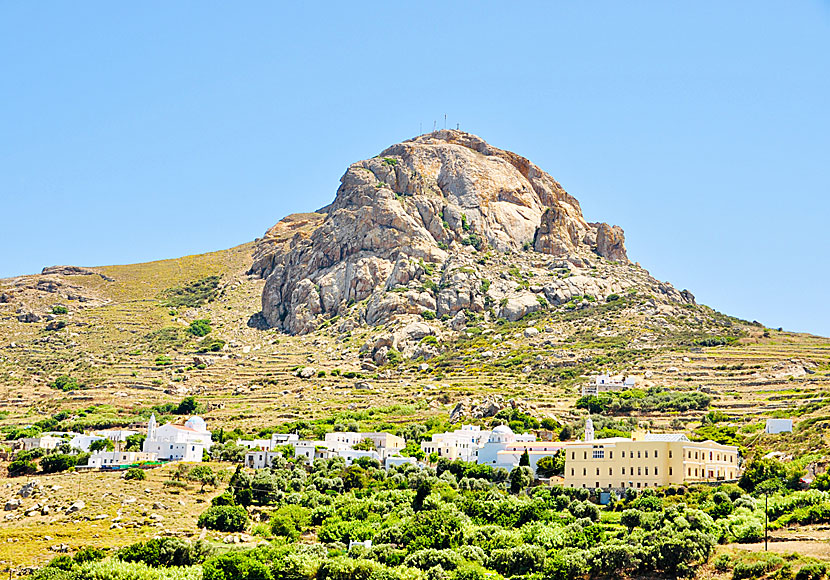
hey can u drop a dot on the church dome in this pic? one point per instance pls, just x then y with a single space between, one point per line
502 434
197 424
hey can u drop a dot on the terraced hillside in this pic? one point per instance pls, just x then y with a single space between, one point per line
125 343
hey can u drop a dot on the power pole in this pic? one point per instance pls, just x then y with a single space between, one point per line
766 517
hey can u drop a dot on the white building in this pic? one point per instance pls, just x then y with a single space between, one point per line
115 458
83 441
396 460
46 441
276 440
116 435
385 443
460 444
312 450
604 384
495 451
260 458
178 442
779 426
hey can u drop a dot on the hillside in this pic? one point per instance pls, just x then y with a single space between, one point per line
466 323
448 281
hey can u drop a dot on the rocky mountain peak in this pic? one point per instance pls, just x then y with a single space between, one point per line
415 207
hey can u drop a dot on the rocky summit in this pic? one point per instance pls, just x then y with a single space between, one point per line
412 230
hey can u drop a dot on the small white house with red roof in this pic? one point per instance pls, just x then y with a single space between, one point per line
178 442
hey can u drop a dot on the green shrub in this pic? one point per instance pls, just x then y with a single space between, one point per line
210 344
428 315
235 566
165 552
290 521
815 571
135 473
65 383
473 240
57 463
58 309
224 518
200 327
20 467
88 554
192 294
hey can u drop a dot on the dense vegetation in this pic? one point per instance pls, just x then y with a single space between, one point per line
460 521
638 400
192 294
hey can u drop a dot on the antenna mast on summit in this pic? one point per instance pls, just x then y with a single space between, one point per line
445 121
434 126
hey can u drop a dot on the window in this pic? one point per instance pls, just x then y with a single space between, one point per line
655 454
610 455
584 455
597 470
669 470
669 453
711 455
623 454
646 454
655 471
638 454
573 455
572 470
646 470
610 471
598 454
639 471
584 471
596 484
623 470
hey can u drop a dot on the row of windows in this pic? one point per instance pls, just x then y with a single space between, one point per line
712 456
631 471
622 484
599 453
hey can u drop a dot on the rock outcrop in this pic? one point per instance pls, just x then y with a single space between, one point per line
419 204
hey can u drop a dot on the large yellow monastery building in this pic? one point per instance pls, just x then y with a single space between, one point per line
647 460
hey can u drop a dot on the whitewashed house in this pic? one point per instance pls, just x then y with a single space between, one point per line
774 426
396 460
385 443
604 384
460 444
350 455
312 450
501 448
117 458
178 442
260 458
116 435
82 441
46 441
276 440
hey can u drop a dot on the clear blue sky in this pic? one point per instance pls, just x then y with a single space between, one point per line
132 132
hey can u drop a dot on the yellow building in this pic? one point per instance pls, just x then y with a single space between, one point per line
647 460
